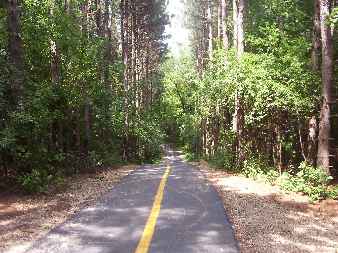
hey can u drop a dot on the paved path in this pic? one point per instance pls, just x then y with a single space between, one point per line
191 218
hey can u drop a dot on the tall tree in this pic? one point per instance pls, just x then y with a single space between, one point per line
316 37
224 15
15 52
328 98
238 16
210 28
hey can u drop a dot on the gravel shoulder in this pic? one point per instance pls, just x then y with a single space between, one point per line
25 218
266 219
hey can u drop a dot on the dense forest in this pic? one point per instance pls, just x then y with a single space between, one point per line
87 83
80 85
257 92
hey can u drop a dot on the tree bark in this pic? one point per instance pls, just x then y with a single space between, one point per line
219 20
225 38
15 52
240 27
239 120
125 56
316 43
87 104
210 30
235 21
323 158
55 57
312 141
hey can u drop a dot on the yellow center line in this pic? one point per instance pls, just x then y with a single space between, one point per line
144 243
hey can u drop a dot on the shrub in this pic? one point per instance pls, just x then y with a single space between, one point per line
309 180
38 180
332 192
191 156
35 181
223 159
257 168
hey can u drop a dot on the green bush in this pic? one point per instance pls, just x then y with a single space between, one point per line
35 181
272 176
190 156
39 180
257 168
332 192
223 159
309 180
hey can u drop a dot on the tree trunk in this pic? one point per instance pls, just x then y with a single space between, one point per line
225 38
316 43
239 128
235 21
312 141
323 159
67 6
108 48
279 148
15 52
210 30
239 45
57 127
125 57
219 20
240 28
87 104
87 118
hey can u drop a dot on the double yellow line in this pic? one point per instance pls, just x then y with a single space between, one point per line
144 243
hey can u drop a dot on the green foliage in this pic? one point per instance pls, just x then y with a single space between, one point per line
333 19
257 168
191 156
39 180
309 180
223 159
36 181
150 136
273 80
332 192
77 123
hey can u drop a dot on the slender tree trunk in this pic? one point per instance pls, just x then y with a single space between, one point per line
87 119
108 56
55 78
99 18
312 141
316 43
67 6
87 104
55 63
239 45
15 52
235 21
219 20
125 57
225 38
210 29
279 148
323 159
240 28
239 127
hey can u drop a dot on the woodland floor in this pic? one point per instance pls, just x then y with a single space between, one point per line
265 219
24 218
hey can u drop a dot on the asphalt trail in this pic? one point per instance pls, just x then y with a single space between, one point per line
192 218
